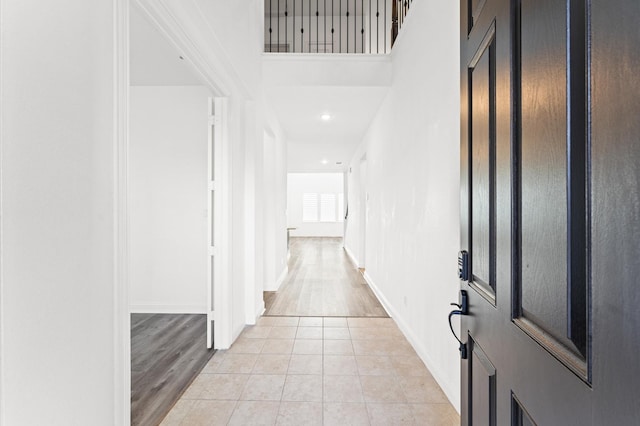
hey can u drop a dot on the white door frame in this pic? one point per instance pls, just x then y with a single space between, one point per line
217 80
122 319
217 224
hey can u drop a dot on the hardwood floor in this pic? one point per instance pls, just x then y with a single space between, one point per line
322 281
167 353
268 297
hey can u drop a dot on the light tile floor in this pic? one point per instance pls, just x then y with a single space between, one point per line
315 371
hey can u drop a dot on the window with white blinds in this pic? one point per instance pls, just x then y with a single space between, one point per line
322 207
327 207
310 207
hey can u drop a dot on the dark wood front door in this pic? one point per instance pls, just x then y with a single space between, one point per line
550 211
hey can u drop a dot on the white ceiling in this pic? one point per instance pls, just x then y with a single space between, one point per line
312 140
308 158
351 108
154 61
300 88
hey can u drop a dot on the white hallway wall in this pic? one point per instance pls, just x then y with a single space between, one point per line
57 279
280 230
57 319
321 183
275 196
168 198
412 150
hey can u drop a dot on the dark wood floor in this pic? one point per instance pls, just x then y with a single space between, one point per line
167 353
322 281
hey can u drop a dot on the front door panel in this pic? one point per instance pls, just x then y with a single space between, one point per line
525 210
551 284
543 164
482 386
550 211
481 72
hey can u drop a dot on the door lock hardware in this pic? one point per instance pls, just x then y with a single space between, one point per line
463 309
463 265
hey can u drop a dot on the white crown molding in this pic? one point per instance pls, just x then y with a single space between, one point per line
191 34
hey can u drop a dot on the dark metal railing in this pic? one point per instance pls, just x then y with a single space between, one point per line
399 12
333 26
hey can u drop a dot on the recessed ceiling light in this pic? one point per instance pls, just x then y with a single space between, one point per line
325 117
324 162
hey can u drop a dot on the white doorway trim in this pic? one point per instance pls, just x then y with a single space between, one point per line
122 327
207 65
218 297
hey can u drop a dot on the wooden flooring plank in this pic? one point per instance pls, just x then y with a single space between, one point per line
322 281
167 353
155 341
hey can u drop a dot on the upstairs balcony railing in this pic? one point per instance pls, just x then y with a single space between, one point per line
333 26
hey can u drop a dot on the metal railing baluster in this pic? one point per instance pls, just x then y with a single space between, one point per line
362 20
333 44
346 16
347 26
310 30
270 26
340 23
355 26
377 26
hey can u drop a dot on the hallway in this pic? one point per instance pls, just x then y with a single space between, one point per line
322 281
322 359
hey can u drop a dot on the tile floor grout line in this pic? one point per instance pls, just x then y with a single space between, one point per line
373 410
237 407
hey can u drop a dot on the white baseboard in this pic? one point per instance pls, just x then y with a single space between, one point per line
236 333
351 257
167 309
279 281
450 389
260 309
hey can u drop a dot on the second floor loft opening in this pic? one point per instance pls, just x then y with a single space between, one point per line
333 26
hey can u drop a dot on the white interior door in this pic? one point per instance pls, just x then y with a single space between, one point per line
214 217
